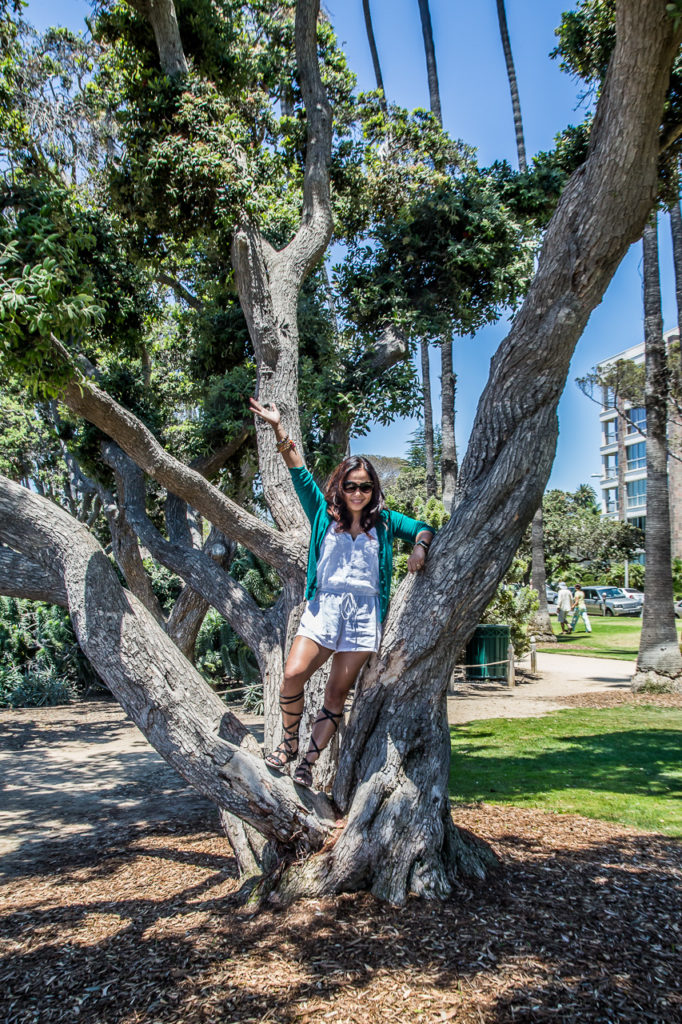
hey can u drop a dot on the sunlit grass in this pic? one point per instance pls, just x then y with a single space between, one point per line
611 637
618 764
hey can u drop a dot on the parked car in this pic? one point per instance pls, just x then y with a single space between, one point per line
678 608
636 595
610 601
551 594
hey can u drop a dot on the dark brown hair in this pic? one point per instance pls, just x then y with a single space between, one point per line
335 498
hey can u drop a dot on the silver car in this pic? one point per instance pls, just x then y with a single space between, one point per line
610 601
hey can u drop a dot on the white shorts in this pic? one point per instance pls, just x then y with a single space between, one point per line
343 622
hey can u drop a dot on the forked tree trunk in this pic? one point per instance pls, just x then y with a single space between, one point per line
393 770
658 661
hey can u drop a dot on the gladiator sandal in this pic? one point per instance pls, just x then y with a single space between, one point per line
285 752
304 770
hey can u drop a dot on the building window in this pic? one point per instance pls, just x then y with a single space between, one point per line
639 521
611 465
637 420
610 431
637 455
636 493
611 499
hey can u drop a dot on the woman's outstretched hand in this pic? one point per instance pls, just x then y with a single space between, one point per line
270 415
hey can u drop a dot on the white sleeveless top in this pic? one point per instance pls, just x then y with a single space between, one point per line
346 565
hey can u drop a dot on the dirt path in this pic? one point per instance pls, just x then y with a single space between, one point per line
77 776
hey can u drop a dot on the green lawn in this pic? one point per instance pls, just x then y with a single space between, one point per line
611 637
617 764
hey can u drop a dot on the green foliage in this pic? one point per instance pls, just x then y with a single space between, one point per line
587 36
40 660
416 448
677 576
615 576
514 607
63 272
579 541
222 656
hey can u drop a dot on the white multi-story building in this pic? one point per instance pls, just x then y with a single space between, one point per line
623 457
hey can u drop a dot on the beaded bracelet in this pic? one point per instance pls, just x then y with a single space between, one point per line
285 445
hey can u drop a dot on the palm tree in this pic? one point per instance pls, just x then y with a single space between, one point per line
431 69
513 85
676 232
428 420
448 378
659 658
374 52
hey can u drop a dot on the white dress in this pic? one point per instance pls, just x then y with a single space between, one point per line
344 615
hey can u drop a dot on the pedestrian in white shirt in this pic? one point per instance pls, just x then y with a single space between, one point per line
564 604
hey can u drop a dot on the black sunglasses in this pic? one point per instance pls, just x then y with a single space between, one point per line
350 487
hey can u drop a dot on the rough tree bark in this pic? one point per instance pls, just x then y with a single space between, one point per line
658 660
393 771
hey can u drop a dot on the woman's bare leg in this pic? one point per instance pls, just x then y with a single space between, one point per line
305 657
345 669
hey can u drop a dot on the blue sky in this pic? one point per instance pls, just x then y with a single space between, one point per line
477 108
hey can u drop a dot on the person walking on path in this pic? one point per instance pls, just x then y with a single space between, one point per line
348 585
564 604
579 610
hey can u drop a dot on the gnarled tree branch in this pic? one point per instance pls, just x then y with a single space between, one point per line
85 399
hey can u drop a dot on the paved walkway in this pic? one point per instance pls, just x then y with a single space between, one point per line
560 675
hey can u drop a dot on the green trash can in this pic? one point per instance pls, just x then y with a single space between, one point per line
487 652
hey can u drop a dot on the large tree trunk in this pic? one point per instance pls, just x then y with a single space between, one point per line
659 660
513 85
393 767
428 421
448 459
542 624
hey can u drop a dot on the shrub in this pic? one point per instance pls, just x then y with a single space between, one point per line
40 660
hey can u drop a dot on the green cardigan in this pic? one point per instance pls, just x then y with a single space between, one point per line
390 526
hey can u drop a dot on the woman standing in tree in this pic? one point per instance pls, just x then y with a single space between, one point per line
350 564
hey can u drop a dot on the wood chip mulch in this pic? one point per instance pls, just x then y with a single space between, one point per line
612 699
583 924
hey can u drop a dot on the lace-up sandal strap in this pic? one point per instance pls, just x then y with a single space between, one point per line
284 703
332 716
284 753
304 769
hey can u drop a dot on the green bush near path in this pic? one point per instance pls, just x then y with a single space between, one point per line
619 764
611 637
